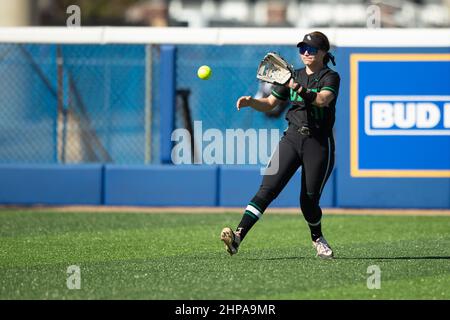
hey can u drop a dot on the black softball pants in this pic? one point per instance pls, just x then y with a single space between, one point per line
315 154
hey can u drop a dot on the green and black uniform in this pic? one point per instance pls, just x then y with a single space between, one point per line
317 119
307 142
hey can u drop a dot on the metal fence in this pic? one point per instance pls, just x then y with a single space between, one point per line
234 75
100 103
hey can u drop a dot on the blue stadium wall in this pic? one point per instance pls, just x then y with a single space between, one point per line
415 176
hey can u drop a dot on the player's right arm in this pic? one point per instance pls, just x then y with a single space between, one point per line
260 104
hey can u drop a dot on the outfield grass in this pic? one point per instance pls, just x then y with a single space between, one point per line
180 256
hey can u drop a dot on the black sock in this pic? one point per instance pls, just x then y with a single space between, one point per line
316 231
246 224
253 212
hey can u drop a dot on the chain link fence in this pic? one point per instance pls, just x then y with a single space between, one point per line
27 105
104 107
100 103
76 103
234 74
213 102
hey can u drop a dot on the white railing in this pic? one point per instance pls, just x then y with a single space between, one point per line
225 36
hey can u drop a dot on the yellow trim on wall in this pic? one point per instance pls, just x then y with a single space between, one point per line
354 139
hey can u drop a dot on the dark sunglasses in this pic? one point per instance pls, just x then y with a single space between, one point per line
311 50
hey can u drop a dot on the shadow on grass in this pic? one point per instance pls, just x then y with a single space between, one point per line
280 258
357 258
395 258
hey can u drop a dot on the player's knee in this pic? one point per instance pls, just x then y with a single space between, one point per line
308 200
309 204
268 193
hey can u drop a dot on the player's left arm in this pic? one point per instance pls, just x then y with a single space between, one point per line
329 91
324 98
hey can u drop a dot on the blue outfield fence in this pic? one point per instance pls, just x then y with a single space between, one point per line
51 184
92 124
155 185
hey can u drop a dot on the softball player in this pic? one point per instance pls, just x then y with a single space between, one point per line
307 142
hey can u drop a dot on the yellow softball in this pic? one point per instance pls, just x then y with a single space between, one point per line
204 72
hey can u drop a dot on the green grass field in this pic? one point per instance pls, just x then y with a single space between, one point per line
180 256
